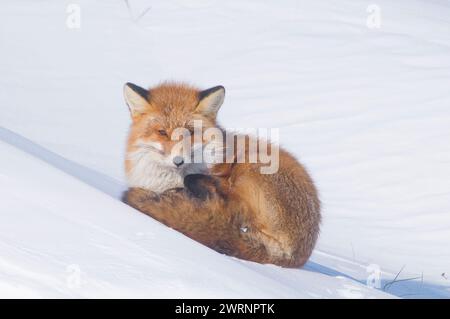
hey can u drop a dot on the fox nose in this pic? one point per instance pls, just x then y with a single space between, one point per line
178 161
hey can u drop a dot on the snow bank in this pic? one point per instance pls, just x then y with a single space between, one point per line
60 237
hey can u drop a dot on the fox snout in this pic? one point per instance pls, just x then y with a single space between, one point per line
178 161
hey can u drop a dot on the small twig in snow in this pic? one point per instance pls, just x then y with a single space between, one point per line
391 282
142 14
130 11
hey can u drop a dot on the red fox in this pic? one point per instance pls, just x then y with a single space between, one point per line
229 206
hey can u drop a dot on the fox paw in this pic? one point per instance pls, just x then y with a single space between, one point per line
200 186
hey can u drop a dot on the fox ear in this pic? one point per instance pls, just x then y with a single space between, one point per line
136 98
210 101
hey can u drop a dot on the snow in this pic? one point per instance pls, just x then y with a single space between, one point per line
63 238
366 110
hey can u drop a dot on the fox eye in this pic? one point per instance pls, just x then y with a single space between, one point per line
162 132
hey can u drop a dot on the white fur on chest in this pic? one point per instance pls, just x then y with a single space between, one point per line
151 173
157 173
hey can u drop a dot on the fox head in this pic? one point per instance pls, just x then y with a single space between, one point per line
154 160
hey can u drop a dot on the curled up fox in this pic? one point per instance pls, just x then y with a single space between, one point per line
227 202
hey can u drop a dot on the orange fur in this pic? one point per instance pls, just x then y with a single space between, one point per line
271 218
